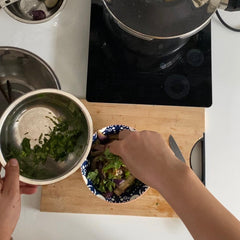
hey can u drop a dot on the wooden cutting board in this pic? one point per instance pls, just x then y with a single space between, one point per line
72 195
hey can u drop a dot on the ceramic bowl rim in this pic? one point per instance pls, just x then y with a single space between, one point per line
85 179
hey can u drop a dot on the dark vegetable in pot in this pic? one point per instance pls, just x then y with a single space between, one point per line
38 15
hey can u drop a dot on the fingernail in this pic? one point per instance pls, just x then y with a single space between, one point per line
13 162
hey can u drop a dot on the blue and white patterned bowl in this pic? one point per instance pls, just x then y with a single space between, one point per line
132 192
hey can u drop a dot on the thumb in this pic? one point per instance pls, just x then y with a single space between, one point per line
11 183
115 147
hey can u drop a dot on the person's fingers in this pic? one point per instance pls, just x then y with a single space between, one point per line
123 134
1 185
28 189
11 183
115 147
22 184
24 187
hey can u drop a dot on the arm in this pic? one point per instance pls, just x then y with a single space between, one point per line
10 199
150 159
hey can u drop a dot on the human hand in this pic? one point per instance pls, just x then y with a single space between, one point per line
146 155
10 199
149 159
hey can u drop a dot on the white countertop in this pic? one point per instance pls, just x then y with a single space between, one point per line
63 43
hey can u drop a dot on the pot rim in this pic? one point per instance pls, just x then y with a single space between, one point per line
152 37
33 55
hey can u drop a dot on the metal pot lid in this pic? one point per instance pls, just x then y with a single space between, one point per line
162 19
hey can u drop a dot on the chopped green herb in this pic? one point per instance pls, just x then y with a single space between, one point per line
56 145
114 161
127 174
108 173
93 175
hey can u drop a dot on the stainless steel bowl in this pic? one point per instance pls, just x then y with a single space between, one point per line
26 117
22 10
20 72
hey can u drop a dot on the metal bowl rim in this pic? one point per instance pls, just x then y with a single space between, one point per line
89 140
36 21
33 55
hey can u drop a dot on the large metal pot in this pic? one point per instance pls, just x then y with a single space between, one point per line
21 72
164 25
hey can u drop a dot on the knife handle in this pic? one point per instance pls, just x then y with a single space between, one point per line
201 176
203 160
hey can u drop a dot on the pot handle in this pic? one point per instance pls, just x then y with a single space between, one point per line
230 5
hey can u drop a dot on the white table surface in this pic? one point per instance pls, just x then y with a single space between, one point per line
63 43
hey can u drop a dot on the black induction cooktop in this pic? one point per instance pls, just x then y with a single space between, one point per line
116 74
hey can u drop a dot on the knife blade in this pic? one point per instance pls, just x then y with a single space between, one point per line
173 145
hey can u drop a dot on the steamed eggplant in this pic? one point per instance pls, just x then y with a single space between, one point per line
107 172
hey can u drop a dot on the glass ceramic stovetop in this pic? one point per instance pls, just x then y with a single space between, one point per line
180 79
